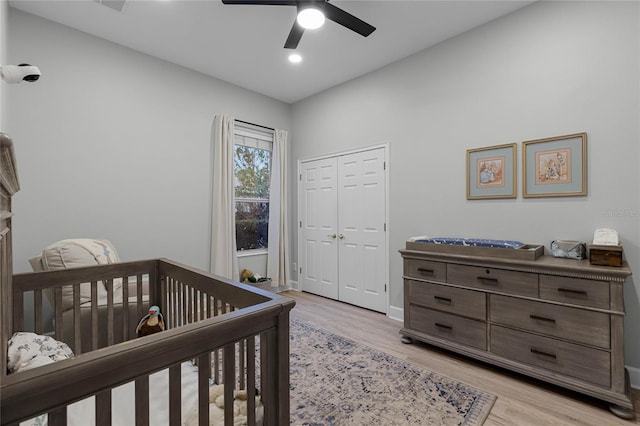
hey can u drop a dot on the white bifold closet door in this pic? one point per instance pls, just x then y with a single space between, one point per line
343 252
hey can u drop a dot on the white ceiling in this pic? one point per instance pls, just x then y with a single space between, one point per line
243 44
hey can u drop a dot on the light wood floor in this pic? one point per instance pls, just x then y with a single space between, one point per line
521 401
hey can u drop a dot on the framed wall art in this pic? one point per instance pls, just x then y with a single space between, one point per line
491 172
555 167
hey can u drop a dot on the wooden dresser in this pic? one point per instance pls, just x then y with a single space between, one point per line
558 320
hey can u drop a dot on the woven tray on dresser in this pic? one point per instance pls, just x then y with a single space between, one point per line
558 320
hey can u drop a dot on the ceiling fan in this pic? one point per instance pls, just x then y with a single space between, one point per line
315 9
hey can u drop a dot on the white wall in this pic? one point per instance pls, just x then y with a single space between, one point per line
551 69
115 144
4 19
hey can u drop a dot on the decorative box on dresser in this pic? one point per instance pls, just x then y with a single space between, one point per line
558 320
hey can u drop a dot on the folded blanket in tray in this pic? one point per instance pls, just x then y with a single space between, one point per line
473 242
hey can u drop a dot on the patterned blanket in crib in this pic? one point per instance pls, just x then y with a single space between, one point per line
29 350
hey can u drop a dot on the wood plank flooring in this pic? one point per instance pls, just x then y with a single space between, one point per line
521 401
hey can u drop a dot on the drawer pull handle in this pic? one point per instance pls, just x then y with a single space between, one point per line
539 318
489 281
543 353
442 299
571 291
444 327
425 271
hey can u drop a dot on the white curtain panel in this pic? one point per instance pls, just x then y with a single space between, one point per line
278 251
224 261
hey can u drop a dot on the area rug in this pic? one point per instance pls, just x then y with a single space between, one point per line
336 381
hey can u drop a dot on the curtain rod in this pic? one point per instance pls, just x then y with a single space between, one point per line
253 124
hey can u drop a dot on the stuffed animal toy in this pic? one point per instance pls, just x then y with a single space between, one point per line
246 276
151 323
216 408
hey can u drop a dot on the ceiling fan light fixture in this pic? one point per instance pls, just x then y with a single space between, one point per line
295 58
310 17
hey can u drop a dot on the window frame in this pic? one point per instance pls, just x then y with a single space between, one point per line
253 137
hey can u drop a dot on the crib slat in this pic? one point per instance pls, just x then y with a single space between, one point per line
77 337
57 297
241 364
182 305
203 388
175 394
142 401
139 296
57 417
189 305
125 309
229 381
37 306
201 306
110 326
268 377
251 381
103 408
94 315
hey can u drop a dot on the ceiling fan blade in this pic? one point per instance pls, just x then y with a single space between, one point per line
263 2
294 36
347 20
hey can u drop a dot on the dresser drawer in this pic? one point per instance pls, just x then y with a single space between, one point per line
425 269
565 322
458 301
576 291
511 282
447 326
592 365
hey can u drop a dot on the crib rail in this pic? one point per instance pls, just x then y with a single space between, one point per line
238 336
105 322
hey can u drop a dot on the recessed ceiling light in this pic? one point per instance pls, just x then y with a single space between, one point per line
310 18
295 58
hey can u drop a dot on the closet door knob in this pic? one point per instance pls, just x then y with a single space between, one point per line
331 236
341 236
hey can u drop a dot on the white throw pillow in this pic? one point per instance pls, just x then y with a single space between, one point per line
76 253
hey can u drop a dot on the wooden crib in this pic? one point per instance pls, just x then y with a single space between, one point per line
237 335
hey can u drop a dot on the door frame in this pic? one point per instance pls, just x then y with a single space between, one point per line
386 147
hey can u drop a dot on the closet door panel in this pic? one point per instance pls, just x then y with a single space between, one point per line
361 225
319 257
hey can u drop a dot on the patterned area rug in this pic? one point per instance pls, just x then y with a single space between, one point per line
336 381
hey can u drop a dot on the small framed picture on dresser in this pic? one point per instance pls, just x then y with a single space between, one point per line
491 172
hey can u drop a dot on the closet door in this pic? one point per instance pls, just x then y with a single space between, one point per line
362 269
318 222
342 244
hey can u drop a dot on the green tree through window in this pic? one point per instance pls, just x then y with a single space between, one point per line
251 185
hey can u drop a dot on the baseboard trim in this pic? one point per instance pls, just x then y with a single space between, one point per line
293 285
634 377
396 313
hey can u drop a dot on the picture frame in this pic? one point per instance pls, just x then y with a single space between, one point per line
555 167
491 172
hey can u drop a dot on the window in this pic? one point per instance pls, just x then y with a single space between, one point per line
252 158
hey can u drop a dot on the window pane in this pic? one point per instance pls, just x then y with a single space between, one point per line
251 172
252 225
